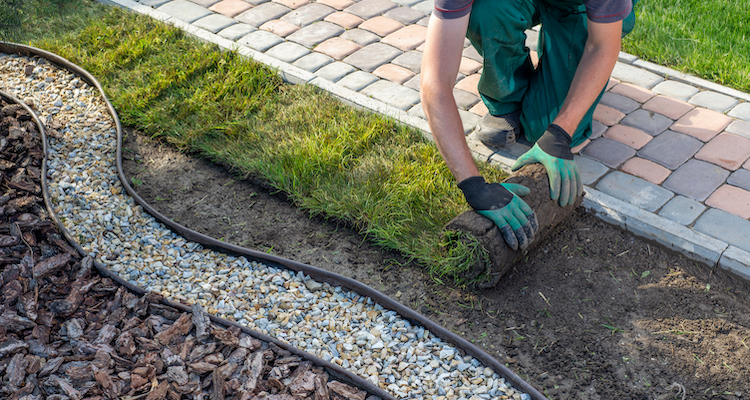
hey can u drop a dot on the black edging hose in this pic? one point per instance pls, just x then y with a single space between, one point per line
314 272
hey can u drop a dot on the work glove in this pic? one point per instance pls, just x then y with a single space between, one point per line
501 204
553 151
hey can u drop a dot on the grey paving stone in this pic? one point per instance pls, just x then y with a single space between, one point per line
464 99
392 94
414 82
205 3
263 13
313 35
597 130
405 15
358 80
215 22
260 40
740 178
371 57
682 210
713 101
256 2
411 60
472 53
336 70
741 128
725 226
424 21
620 103
367 9
635 75
360 37
696 179
406 3
590 170
154 3
308 14
741 111
288 52
313 62
608 152
425 7
235 32
417 111
634 190
649 122
676 90
469 120
184 10
670 149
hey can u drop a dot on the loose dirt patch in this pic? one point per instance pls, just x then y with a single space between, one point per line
594 313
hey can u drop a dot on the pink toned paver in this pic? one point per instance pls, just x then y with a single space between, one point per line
577 149
632 137
469 66
732 200
668 107
646 169
337 48
393 73
279 27
344 20
407 38
381 26
702 124
293 4
612 82
607 115
230 8
726 150
469 84
634 92
336 4
479 109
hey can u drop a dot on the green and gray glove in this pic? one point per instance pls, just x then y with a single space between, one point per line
501 204
553 151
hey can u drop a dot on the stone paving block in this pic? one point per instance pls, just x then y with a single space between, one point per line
635 191
260 40
696 179
279 27
468 121
597 130
344 20
184 10
740 178
668 107
713 101
370 57
741 128
634 92
308 14
469 66
632 137
337 4
154 3
293 4
257 2
670 149
611 82
726 150
407 38
676 90
414 82
472 54
263 13
590 170
608 152
577 149
636 76
381 26
480 109
335 71
741 111
230 8
607 115
619 102
205 3
288 52
424 21
215 22
405 15
313 62
358 80
464 99
411 60
417 111
682 210
647 121
367 9
736 261
315 34
393 73
337 48
360 37
646 169
235 32
731 199
392 94
702 124
406 3
725 226
469 84
425 7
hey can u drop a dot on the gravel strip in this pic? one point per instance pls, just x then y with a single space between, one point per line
335 324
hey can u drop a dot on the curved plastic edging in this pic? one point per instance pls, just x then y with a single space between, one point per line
314 272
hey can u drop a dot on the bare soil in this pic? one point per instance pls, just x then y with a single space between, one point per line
593 313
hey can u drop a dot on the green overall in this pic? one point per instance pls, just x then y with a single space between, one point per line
509 80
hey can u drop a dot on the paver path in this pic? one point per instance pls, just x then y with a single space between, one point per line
668 159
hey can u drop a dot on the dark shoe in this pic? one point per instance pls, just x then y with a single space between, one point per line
500 131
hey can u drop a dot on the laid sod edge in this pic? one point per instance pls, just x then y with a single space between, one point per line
383 178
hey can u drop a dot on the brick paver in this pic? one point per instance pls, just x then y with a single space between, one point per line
469 66
405 15
360 37
205 3
731 199
184 10
337 4
370 57
696 179
381 26
668 107
393 73
407 38
154 3
479 109
634 190
646 169
676 90
630 74
682 210
308 14
741 128
469 84
358 80
725 226
647 121
608 152
577 149
263 13
260 40
702 124
313 62
670 149
608 115
590 170
230 8
288 52
597 130
344 19
315 34
367 9
279 27
237 31
619 102
337 48
411 60
740 178
741 111
464 99
425 7
630 136
472 53
634 92
293 4
713 101
215 22
335 71
393 94
726 150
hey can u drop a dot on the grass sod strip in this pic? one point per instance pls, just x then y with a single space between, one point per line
382 177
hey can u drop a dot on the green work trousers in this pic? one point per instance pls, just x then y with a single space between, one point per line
509 80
